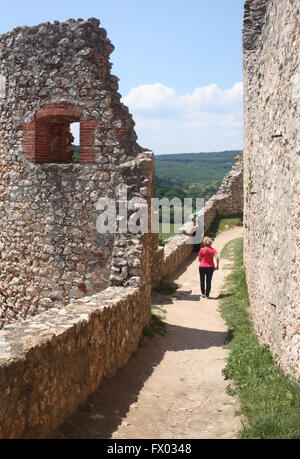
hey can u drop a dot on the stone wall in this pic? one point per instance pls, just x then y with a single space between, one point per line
227 201
229 198
271 178
53 75
73 301
50 363
167 259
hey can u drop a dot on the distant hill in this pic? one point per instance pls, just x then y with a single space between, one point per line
185 169
76 153
186 175
190 175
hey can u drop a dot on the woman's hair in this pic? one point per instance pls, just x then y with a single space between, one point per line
207 241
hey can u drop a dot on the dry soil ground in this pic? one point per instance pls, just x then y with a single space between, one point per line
173 387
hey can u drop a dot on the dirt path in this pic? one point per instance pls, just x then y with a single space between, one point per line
173 386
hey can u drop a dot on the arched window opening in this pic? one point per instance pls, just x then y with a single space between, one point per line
53 136
75 132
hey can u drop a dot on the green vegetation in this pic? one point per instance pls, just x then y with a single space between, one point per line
269 399
191 175
156 325
75 154
163 236
165 287
221 224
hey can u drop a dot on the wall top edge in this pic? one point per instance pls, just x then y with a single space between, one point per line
253 22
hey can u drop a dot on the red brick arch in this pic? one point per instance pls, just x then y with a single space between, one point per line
61 111
47 137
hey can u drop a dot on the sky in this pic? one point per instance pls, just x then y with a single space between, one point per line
179 64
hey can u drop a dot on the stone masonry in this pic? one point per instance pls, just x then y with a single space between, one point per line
73 300
271 174
50 363
53 75
227 201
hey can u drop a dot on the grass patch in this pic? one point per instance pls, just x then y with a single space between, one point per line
269 399
163 236
221 224
232 249
156 325
165 287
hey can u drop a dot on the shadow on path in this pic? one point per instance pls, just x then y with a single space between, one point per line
186 295
182 268
104 410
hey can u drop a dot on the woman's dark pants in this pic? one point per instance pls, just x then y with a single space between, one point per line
205 280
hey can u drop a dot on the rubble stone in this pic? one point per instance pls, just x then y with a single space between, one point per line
271 175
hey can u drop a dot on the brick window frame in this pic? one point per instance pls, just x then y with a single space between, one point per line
47 138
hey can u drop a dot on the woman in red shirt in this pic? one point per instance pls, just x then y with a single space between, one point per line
207 266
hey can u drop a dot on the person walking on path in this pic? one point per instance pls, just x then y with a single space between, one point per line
207 266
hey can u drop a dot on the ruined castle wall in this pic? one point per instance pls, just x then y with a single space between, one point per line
53 75
271 178
227 201
50 363
73 300
89 293
229 198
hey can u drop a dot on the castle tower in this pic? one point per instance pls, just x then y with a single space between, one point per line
51 76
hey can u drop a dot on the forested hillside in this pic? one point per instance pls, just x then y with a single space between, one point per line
188 175
191 175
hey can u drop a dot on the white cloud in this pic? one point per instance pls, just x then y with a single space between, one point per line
209 119
149 97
